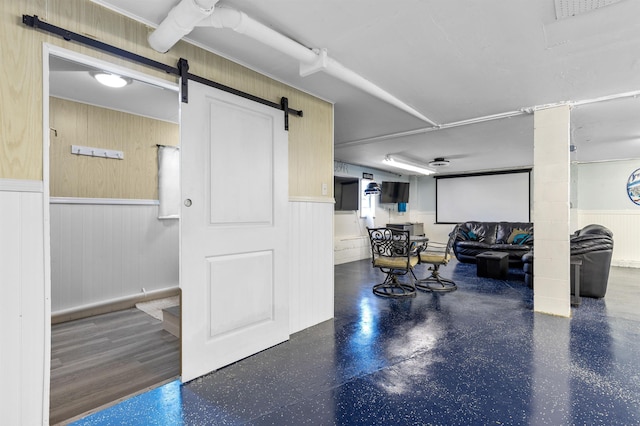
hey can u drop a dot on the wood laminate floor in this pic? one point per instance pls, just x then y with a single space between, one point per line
99 360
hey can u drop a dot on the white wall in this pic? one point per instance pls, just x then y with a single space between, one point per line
24 319
104 253
351 240
602 199
425 211
311 264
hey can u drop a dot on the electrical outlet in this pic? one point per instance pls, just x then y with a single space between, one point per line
325 189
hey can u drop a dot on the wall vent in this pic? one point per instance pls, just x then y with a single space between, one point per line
569 8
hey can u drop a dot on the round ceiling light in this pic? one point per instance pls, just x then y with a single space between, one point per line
439 162
111 80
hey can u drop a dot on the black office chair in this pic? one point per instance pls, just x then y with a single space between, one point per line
437 254
392 252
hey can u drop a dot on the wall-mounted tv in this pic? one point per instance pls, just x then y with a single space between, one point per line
346 192
394 192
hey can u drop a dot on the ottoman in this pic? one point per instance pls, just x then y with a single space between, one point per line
493 264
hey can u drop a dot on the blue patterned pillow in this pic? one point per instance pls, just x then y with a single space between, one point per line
522 239
470 235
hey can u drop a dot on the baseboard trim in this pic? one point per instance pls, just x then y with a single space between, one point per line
110 305
626 263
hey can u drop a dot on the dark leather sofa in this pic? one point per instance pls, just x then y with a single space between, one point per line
473 238
593 245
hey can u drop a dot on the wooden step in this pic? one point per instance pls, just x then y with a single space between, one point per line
171 320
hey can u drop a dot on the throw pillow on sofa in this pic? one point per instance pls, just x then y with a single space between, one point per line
519 237
471 236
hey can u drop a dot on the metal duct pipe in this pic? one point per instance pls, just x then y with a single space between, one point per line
179 22
311 61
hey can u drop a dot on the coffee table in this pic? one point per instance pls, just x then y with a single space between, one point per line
493 264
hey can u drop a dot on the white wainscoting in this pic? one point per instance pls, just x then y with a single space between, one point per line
23 307
311 268
351 240
625 225
351 248
105 253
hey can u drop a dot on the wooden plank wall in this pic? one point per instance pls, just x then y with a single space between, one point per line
310 137
134 177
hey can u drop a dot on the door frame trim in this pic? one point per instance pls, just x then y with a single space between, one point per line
49 50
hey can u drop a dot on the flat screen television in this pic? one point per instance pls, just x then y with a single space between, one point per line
346 192
394 192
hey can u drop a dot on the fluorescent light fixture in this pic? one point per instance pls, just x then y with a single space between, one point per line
111 80
406 165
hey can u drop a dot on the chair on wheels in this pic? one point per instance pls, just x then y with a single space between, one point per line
392 252
437 254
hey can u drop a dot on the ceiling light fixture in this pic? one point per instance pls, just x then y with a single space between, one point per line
439 162
394 161
111 80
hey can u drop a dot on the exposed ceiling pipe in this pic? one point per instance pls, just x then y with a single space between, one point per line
240 22
179 22
444 126
477 120
311 61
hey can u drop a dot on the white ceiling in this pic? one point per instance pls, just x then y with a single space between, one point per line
72 80
452 61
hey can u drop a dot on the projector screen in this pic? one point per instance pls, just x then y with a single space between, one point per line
484 197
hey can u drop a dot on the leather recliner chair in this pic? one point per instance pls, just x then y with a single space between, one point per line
593 245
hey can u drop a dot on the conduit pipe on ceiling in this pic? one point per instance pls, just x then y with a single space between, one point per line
240 22
179 22
176 25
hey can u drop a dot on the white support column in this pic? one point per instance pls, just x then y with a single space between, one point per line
551 178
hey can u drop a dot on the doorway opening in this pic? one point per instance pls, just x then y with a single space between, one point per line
109 250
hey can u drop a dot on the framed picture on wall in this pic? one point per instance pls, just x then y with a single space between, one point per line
633 187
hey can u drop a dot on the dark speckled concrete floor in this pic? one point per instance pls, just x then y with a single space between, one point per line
477 356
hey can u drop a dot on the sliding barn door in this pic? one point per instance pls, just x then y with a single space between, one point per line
233 259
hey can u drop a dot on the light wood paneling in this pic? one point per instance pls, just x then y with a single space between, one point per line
311 150
310 137
134 177
20 86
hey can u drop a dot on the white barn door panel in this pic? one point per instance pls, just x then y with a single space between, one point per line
234 229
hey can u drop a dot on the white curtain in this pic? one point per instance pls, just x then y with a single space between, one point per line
169 182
